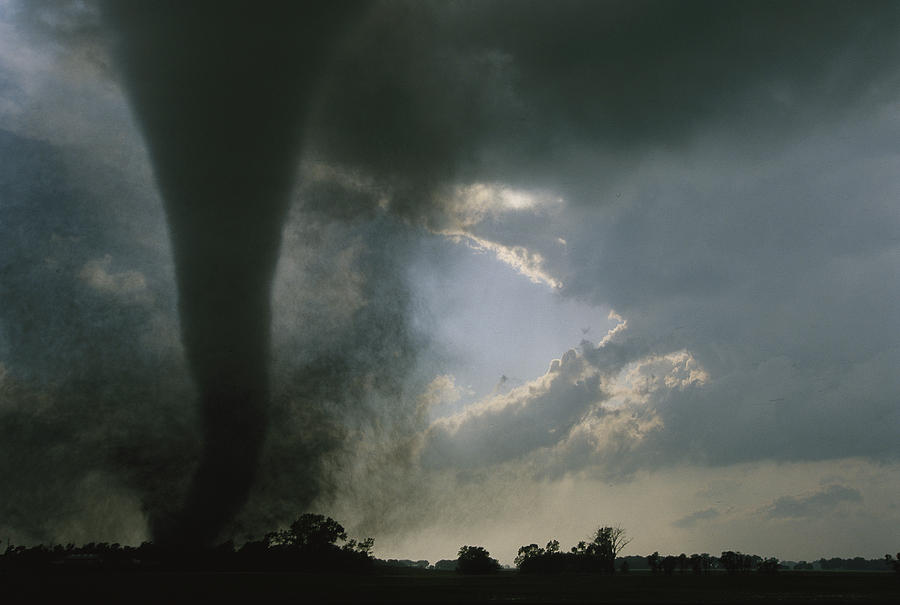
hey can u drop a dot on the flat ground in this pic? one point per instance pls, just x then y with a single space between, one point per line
448 587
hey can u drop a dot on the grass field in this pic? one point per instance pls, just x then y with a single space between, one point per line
448 587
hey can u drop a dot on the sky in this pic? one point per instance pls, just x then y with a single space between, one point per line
483 273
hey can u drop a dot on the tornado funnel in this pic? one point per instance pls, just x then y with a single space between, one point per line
220 90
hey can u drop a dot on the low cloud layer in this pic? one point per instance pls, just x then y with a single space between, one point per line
692 520
817 503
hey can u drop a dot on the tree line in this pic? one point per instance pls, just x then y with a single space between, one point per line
597 555
317 542
311 542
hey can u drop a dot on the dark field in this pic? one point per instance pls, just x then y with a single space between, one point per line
449 587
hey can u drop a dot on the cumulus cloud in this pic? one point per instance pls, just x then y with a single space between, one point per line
509 426
593 408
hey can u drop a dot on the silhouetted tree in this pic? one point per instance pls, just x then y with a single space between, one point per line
309 531
533 559
526 554
363 547
736 562
893 563
668 564
598 555
475 560
654 562
608 542
700 563
310 542
769 565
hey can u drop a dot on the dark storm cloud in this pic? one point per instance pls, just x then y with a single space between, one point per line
91 369
740 417
820 502
745 139
723 190
727 185
429 93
